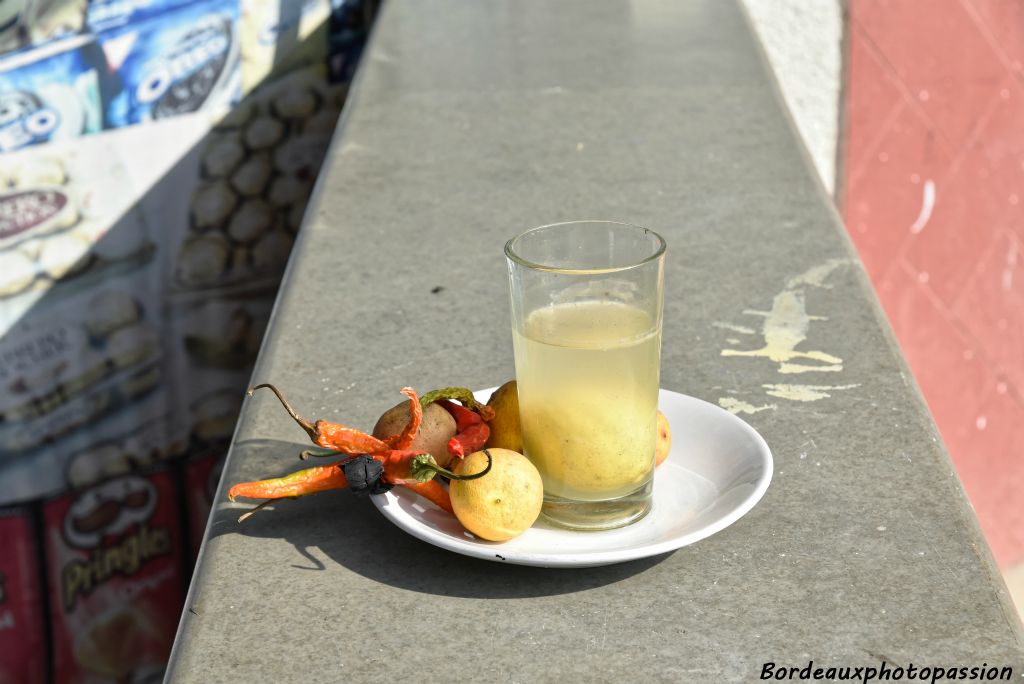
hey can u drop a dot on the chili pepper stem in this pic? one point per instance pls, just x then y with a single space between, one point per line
425 467
252 511
461 394
303 423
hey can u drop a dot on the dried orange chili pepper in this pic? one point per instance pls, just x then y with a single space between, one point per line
433 492
338 437
397 464
405 439
308 481
411 469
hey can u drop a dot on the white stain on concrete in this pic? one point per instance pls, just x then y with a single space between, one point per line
804 392
787 324
786 327
817 275
927 205
734 405
794 368
733 327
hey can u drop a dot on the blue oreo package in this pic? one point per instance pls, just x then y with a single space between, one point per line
51 93
180 61
103 15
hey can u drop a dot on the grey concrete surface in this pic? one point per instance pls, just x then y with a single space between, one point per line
471 122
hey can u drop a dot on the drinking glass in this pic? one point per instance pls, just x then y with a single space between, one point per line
586 327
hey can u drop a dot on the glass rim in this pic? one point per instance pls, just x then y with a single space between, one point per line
511 255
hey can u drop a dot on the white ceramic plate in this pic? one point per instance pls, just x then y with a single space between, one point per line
718 469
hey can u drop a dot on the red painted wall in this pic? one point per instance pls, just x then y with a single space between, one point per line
933 198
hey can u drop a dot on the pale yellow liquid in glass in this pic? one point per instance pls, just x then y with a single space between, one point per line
587 375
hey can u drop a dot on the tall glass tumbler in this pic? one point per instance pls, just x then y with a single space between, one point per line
586 326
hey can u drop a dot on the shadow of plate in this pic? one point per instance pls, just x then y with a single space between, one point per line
348 530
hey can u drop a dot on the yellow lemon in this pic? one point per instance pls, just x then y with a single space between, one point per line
502 504
506 432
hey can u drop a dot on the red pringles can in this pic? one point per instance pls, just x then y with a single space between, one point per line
202 475
114 557
22 633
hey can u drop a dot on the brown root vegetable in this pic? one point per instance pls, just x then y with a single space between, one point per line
437 428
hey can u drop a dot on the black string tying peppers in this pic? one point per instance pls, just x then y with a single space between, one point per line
365 475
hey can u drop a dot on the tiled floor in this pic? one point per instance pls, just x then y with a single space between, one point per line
933 198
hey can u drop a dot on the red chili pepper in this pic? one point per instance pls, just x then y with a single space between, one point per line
472 430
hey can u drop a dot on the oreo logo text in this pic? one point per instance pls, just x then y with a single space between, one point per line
25 120
193 52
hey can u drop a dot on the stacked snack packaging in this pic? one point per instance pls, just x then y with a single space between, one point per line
176 62
114 574
255 171
22 636
156 159
68 221
52 93
114 547
103 15
91 357
248 184
202 475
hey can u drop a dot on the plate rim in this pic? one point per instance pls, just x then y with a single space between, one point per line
487 550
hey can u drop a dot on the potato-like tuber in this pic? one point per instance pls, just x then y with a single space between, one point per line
437 428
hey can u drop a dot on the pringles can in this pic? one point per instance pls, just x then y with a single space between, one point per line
22 632
114 573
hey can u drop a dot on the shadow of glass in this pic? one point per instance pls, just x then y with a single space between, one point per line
348 530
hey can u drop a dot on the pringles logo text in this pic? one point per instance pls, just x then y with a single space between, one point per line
125 557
